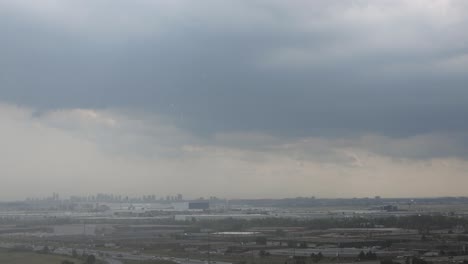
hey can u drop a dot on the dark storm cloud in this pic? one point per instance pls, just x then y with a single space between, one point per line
336 70
335 98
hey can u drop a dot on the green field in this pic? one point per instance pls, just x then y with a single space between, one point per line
17 257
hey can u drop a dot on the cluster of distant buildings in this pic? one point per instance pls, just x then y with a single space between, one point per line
111 198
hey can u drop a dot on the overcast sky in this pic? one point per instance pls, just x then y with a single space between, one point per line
241 98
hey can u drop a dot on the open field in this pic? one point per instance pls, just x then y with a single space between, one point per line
17 257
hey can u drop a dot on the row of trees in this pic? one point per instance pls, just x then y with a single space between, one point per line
420 222
314 257
303 260
89 259
367 256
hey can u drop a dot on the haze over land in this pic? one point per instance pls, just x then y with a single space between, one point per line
234 98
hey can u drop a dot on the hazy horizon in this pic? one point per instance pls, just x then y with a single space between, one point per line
234 98
173 197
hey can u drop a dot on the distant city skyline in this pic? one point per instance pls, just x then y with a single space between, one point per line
180 197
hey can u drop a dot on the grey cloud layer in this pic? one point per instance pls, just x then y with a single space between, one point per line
83 151
333 69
